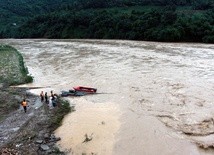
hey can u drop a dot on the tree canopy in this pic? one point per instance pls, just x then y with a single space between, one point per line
155 20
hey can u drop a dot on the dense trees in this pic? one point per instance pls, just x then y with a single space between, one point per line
162 20
156 25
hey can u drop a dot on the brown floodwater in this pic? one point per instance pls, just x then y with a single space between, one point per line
154 98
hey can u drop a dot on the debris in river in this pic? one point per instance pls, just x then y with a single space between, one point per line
205 145
87 139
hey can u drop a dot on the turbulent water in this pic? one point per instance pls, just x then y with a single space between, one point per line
154 98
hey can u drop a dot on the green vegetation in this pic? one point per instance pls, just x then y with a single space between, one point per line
13 13
12 67
166 24
12 72
153 20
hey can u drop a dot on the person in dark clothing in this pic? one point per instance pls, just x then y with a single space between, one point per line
54 100
42 96
52 93
46 97
24 105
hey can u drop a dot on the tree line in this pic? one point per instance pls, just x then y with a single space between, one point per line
196 4
95 19
154 25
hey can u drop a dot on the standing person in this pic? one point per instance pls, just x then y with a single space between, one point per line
54 100
24 104
42 96
52 97
52 93
46 97
50 102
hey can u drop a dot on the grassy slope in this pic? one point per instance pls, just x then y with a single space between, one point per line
12 69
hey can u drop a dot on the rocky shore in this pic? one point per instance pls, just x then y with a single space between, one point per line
32 132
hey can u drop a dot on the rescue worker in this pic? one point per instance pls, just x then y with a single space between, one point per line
52 97
52 93
50 102
42 96
24 104
54 100
46 97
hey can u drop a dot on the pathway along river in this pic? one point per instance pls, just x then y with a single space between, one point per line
157 98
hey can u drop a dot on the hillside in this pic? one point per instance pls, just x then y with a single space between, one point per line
152 24
15 12
156 20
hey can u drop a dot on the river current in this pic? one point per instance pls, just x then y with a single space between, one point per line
153 98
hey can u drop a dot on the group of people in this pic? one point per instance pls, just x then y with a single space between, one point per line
51 101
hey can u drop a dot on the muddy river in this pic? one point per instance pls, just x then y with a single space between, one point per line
154 98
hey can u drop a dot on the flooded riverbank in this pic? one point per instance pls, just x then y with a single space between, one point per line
157 98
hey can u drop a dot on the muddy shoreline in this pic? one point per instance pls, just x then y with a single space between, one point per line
31 132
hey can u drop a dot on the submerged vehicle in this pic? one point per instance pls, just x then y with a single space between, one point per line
72 93
79 91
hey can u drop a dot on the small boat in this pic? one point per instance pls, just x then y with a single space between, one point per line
85 89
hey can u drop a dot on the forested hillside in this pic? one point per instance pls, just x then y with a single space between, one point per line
13 13
156 20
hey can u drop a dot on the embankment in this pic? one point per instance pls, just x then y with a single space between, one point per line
25 133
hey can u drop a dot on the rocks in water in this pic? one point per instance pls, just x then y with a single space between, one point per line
46 136
44 147
87 138
47 142
52 136
39 141
1 85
